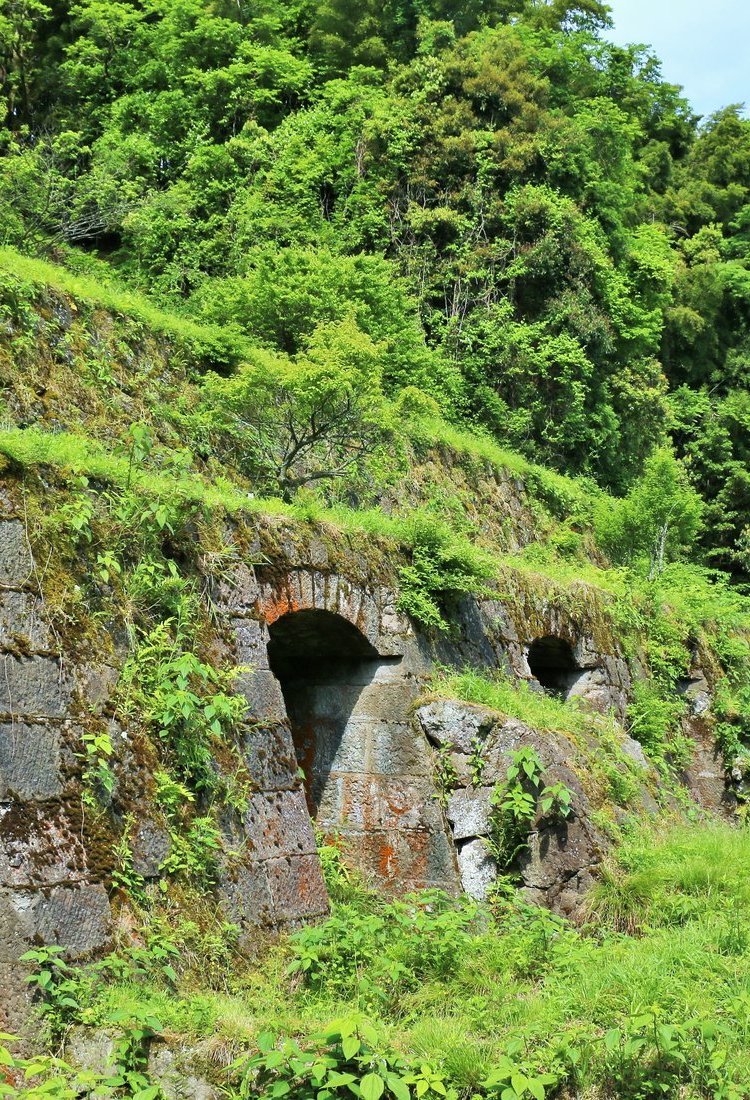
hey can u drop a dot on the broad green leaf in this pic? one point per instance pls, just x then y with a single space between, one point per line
398 1087
350 1045
372 1086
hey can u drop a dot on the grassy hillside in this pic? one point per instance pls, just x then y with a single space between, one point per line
461 293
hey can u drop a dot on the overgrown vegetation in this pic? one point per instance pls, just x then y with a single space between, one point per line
494 204
469 286
432 997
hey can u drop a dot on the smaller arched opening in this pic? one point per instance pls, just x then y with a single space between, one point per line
553 665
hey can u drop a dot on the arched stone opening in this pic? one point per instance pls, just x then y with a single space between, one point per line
553 665
323 663
368 772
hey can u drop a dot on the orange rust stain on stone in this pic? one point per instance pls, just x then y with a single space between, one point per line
396 806
276 606
387 861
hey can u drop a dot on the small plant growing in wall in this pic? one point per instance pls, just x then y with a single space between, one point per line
57 986
130 1070
476 762
515 805
193 844
124 875
98 777
446 777
556 801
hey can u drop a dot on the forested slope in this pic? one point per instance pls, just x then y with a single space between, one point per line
491 203
429 324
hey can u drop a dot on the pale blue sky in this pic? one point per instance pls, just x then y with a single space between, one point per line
703 45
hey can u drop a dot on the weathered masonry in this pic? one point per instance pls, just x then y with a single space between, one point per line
339 738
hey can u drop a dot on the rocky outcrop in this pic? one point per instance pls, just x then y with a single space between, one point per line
560 853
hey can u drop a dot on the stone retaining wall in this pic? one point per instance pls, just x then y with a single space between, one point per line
344 714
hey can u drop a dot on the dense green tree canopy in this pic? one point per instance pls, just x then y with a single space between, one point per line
528 222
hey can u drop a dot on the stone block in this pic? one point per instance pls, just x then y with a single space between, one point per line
297 888
175 1076
379 670
277 823
512 735
21 623
594 689
371 802
89 1049
32 687
331 702
15 928
270 757
16 561
477 868
14 932
586 653
15 996
402 861
263 693
251 642
29 761
344 751
381 701
634 750
558 852
388 701
392 620
97 683
398 748
368 746
38 846
469 811
245 896
237 591
150 846
76 917
455 725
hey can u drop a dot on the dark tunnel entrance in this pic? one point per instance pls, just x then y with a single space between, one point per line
553 664
323 663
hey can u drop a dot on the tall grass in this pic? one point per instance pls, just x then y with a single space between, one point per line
219 345
514 699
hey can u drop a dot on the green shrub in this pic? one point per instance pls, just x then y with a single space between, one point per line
444 566
655 721
376 956
349 1058
182 700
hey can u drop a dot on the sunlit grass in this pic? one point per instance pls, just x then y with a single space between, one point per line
513 699
216 343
